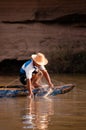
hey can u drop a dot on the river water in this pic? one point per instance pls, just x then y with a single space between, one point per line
62 112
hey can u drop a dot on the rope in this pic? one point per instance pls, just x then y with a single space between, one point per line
11 83
82 90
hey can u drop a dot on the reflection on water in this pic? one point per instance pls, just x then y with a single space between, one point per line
37 114
62 112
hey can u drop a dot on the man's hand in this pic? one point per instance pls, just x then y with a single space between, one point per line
51 85
31 95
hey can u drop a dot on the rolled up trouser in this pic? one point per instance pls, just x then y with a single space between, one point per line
23 78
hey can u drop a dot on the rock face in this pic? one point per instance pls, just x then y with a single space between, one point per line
18 10
53 27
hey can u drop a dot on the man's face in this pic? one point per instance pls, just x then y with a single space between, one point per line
36 64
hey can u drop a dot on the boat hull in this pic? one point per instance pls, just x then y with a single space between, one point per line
17 91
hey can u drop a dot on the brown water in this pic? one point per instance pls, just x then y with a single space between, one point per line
62 112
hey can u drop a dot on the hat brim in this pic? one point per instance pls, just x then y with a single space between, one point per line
44 62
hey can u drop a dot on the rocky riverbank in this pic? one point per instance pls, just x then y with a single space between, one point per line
57 29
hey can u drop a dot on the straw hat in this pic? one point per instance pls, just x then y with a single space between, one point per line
39 58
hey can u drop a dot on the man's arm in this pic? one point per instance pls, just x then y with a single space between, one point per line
47 76
29 87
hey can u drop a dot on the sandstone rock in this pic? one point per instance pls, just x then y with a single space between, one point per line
47 26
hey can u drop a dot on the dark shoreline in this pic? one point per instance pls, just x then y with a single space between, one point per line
67 61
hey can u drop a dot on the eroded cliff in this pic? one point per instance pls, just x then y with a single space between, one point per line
54 27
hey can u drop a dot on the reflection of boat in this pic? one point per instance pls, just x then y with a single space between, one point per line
15 91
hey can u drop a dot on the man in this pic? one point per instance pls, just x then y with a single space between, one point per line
32 71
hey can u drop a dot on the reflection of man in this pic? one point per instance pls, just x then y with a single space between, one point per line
38 113
28 118
44 112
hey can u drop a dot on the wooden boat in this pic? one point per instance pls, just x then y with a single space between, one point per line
15 91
